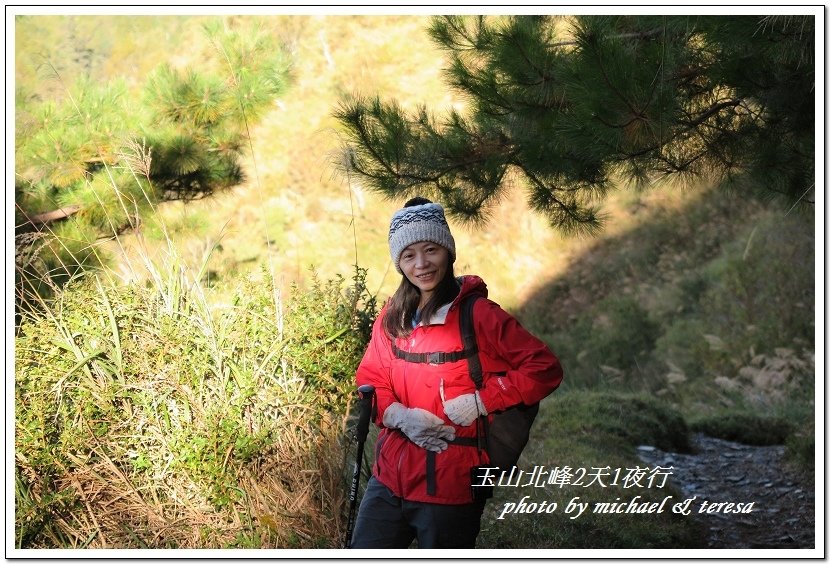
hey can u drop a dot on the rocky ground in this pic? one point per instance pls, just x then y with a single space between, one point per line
783 510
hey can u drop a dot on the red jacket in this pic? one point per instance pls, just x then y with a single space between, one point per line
517 367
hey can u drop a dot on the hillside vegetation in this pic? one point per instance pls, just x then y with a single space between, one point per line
193 390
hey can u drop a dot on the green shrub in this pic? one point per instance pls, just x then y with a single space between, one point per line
801 451
746 428
683 344
612 340
630 419
147 418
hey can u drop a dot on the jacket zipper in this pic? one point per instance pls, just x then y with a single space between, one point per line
400 482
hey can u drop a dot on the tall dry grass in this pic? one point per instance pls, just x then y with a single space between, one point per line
146 417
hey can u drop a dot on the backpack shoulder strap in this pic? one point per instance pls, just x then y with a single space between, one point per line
468 339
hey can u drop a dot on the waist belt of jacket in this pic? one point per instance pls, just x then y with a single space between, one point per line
458 441
470 353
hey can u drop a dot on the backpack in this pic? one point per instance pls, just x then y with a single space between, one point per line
507 435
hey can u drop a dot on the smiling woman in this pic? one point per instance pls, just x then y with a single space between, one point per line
425 265
434 418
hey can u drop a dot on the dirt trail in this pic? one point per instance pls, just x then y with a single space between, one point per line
783 511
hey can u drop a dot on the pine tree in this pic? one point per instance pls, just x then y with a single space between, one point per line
204 116
192 126
576 105
105 156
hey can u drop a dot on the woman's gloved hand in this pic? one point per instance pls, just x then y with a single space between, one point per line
423 428
464 409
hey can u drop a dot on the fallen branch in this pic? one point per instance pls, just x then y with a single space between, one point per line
54 215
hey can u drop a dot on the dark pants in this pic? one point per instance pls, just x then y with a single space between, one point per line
387 521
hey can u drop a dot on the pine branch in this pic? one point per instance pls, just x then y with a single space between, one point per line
632 35
647 105
568 211
710 112
353 116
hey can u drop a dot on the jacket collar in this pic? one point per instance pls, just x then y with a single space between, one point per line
440 316
470 284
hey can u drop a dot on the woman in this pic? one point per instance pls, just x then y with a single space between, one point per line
421 485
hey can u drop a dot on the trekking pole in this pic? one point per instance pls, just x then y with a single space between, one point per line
366 393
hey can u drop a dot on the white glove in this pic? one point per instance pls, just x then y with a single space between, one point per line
423 428
464 409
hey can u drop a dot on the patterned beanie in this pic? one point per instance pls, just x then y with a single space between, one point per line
419 220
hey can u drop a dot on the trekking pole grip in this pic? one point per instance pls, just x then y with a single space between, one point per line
366 393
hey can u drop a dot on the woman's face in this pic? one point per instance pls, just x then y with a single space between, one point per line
425 265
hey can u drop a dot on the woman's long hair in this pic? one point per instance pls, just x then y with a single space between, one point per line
402 306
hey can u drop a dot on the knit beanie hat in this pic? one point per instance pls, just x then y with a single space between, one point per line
419 220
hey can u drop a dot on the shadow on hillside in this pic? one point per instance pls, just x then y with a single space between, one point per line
666 247
663 311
